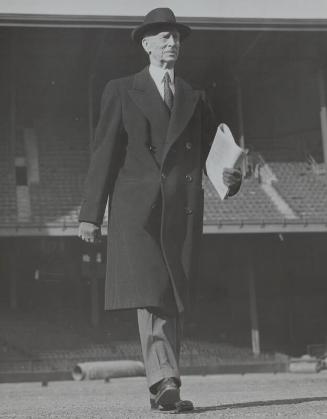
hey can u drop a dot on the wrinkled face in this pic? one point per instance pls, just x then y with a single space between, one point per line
162 47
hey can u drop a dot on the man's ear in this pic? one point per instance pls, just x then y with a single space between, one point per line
145 45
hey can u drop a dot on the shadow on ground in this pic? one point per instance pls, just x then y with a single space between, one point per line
257 404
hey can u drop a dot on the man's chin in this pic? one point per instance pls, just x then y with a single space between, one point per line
171 59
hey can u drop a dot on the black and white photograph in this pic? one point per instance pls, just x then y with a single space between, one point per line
163 209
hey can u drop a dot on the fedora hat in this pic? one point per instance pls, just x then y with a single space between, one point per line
160 18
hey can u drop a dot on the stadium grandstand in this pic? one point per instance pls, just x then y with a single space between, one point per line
261 286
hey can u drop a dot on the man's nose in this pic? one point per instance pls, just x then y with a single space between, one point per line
172 40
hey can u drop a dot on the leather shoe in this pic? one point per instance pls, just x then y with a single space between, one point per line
155 406
168 398
167 393
180 406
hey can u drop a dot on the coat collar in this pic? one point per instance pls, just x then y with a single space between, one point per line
146 96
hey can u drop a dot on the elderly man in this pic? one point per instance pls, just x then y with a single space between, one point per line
150 146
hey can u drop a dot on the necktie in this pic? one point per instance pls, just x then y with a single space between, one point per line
168 94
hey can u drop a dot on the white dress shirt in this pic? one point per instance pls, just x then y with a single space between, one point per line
158 74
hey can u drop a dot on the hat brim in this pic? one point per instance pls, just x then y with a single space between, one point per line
140 31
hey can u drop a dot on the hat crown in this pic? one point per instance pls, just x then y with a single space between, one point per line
160 15
158 19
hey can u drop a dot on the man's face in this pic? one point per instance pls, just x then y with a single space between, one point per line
162 47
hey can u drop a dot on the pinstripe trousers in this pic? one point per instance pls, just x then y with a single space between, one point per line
160 336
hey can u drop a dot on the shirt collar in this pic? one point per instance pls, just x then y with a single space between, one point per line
157 73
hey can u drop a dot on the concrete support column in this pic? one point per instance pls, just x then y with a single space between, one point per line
90 107
95 306
241 137
323 110
94 301
255 334
13 263
12 65
97 49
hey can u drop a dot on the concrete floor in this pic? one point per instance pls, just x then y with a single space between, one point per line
215 396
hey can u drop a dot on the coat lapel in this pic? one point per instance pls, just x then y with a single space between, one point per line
185 101
147 97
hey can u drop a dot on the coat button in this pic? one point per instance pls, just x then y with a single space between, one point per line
163 176
188 145
189 178
151 148
188 211
153 206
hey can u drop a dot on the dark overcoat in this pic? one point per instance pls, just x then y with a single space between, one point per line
149 163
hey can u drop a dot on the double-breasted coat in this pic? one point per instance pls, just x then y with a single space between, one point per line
149 163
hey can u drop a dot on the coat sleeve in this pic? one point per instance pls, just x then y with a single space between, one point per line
104 157
209 127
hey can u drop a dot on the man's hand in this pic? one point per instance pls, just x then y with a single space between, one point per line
89 232
232 177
